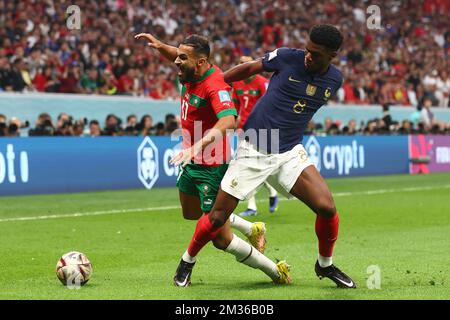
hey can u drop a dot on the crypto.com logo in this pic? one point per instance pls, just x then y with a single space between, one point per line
148 169
312 147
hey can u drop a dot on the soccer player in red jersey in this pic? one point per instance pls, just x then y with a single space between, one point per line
245 95
207 112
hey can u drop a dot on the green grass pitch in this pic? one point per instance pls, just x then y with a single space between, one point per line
135 238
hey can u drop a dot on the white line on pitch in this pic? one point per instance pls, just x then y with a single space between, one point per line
84 214
99 213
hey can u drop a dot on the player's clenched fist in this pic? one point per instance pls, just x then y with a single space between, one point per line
152 41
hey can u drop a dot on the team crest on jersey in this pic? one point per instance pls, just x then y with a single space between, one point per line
327 94
311 90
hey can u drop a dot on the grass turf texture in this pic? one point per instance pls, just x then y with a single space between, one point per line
404 230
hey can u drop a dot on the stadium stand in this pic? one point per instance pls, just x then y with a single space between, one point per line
403 63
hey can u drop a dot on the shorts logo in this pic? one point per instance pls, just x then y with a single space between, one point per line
224 96
148 169
233 183
312 147
303 155
205 190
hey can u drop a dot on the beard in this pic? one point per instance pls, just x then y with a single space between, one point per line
187 74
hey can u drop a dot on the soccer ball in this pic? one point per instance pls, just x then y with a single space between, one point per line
74 268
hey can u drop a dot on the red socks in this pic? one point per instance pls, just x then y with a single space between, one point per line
327 232
204 232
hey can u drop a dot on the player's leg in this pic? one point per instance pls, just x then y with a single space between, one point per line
208 228
243 176
254 231
248 255
223 238
190 206
311 188
273 197
252 209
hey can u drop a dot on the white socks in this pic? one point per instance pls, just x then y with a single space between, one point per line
325 261
252 203
249 256
272 191
187 258
241 225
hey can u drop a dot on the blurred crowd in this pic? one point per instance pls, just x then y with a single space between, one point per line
403 62
66 126
421 121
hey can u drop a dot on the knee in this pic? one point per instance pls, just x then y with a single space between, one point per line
326 208
217 218
221 243
188 215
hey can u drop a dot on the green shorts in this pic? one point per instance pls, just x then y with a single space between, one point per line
201 181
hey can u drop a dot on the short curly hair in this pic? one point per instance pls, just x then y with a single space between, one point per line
199 43
326 35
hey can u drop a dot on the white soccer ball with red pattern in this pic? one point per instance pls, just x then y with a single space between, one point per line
74 268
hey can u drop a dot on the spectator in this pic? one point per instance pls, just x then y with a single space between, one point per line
112 126
78 127
46 81
20 78
146 126
168 120
160 129
110 86
44 126
69 80
90 81
3 129
131 127
443 89
426 115
94 129
5 75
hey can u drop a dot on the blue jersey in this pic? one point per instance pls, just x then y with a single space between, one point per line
292 98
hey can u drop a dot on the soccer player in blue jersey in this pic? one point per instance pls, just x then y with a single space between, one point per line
302 81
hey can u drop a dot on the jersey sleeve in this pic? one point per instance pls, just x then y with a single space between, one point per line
219 95
277 59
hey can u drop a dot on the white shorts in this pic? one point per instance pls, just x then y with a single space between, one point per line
250 168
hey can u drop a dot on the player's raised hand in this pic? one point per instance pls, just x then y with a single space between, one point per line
152 41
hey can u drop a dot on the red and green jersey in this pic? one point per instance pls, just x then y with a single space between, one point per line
245 95
203 102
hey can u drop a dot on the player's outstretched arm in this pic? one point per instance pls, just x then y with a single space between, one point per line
169 52
243 71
